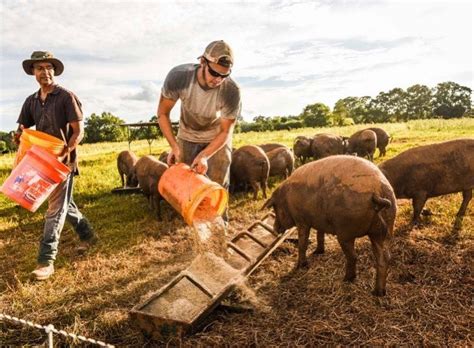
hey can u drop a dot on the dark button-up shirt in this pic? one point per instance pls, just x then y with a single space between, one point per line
60 108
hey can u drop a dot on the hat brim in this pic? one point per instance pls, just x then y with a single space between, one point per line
58 65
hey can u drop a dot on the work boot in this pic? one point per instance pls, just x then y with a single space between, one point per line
43 272
87 235
84 245
85 230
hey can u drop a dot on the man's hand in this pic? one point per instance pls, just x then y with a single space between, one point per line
17 134
64 153
173 156
199 164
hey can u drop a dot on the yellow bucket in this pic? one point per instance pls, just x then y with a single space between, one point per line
30 137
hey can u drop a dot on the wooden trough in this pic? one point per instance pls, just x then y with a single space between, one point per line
181 306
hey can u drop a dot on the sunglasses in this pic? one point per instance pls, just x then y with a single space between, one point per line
215 73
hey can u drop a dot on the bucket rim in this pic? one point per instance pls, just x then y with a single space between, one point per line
27 133
211 187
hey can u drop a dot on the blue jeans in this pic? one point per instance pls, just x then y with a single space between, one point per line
61 207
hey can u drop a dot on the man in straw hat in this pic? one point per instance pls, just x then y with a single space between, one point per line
56 111
210 105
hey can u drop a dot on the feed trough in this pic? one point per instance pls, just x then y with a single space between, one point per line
181 306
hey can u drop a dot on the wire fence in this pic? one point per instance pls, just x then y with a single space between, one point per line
50 330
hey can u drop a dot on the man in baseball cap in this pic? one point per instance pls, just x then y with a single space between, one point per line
210 106
56 111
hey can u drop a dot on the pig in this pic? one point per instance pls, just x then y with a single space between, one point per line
433 170
363 143
149 172
270 146
164 157
383 139
324 145
302 148
342 195
282 162
250 165
126 161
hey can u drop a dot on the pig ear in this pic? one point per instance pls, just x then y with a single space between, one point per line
268 204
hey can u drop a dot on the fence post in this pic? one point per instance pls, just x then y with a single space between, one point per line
49 332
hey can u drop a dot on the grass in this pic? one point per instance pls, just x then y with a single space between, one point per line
430 284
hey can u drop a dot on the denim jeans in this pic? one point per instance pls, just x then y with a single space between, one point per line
61 207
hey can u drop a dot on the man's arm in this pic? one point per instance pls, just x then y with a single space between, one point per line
77 134
164 109
200 162
76 137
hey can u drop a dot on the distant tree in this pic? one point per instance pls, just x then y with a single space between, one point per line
388 106
315 115
7 138
451 100
356 107
339 113
419 99
264 123
3 147
105 127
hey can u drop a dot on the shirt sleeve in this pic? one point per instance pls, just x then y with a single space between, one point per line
73 108
232 105
175 82
26 118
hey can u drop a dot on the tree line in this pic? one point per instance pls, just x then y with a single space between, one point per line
446 100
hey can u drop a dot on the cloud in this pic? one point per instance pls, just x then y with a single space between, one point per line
288 53
148 92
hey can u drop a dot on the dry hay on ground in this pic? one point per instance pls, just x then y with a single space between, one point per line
428 302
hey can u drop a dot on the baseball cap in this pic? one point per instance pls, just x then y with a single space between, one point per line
219 52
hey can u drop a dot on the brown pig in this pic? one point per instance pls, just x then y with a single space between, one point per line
126 161
250 165
302 148
164 157
342 195
363 143
149 172
383 139
324 145
271 146
282 162
433 170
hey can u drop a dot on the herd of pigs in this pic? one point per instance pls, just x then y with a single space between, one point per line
337 192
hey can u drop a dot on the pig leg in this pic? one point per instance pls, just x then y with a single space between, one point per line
263 185
381 264
303 237
157 209
122 177
351 258
320 246
418 203
466 198
255 187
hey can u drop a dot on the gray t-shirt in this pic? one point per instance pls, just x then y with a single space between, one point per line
201 110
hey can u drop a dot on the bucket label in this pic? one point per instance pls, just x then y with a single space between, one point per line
35 188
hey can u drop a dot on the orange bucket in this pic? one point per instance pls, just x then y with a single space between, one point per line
34 178
30 137
193 195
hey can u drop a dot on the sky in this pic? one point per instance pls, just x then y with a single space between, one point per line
288 54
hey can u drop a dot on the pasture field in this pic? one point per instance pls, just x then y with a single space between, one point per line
429 287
